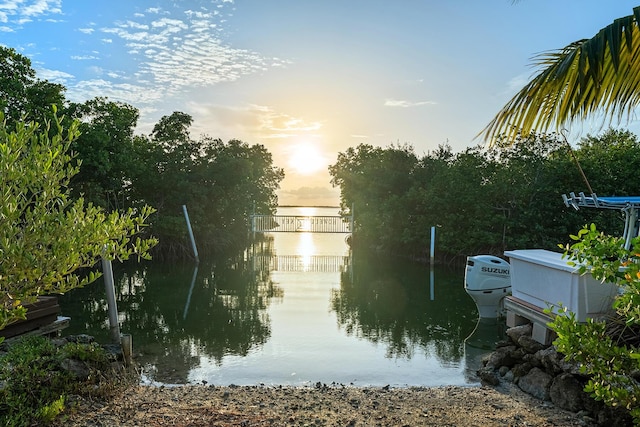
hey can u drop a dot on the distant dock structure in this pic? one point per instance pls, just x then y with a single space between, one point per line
301 224
264 259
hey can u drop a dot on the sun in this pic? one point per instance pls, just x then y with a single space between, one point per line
306 159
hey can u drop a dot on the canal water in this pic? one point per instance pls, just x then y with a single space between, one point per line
296 309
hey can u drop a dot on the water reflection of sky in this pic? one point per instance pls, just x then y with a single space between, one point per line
323 330
305 249
375 324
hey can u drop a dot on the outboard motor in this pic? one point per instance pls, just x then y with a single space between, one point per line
487 280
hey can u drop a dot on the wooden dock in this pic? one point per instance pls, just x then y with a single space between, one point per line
301 224
521 312
42 319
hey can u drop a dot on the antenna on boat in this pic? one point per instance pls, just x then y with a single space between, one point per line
575 159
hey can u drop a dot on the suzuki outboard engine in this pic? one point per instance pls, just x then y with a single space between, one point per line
487 280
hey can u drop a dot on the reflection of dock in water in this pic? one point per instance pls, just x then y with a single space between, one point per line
311 263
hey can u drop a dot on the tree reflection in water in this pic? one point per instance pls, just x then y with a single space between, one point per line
388 301
173 321
223 319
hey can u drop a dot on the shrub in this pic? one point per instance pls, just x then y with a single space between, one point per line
35 383
606 350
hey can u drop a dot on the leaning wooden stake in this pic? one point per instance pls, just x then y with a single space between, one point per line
114 327
193 241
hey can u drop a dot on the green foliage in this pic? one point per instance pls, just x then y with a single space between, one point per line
50 412
90 352
221 183
35 383
173 130
614 157
602 347
47 240
104 147
483 199
359 172
597 253
21 93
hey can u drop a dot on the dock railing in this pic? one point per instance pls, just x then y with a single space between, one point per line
301 224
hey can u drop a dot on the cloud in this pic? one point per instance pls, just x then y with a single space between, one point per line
40 7
406 104
83 57
257 121
514 85
224 121
134 25
113 74
517 83
174 25
318 196
23 11
160 56
280 125
177 50
55 76
126 92
154 10
126 35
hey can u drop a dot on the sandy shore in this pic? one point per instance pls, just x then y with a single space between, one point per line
196 406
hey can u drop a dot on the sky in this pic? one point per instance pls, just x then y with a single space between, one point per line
305 78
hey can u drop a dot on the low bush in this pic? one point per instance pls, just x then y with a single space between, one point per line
607 350
38 376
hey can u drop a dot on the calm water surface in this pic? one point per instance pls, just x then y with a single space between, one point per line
298 308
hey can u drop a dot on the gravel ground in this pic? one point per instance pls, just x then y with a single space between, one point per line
196 406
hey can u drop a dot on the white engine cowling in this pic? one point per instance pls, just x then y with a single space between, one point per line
487 280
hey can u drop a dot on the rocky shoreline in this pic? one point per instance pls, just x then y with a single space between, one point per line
542 372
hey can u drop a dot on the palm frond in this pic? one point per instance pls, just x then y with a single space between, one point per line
601 74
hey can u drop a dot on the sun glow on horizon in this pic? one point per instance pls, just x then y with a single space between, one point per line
306 159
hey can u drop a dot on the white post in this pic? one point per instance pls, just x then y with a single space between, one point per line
432 287
193 282
193 241
433 244
114 327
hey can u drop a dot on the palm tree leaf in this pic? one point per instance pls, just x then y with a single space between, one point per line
600 74
614 40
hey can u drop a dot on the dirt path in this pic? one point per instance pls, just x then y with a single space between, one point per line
196 406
